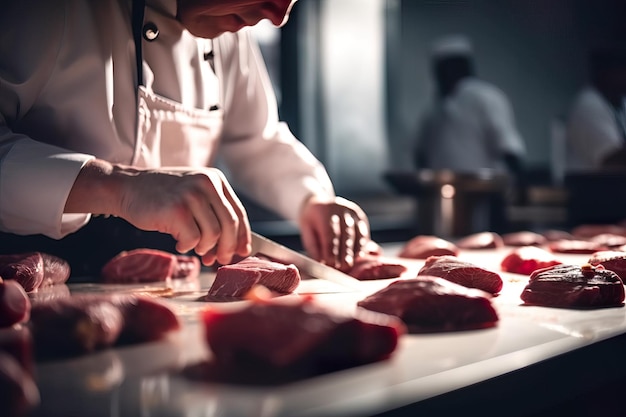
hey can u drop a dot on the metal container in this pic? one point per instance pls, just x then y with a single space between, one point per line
454 204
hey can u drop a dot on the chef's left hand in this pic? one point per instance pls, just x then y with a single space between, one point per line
334 231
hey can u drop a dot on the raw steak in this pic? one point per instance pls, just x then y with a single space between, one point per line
573 286
88 322
612 260
235 280
431 304
300 337
575 246
187 267
423 246
483 240
524 238
376 267
18 391
138 266
527 259
25 268
462 272
609 240
14 304
55 270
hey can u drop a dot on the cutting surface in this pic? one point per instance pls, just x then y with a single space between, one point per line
145 380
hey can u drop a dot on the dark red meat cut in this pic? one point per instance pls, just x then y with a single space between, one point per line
55 270
14 303
85 323
139 266
376 267
300 337
423 246
431 304
612 260
527 259
483 240
462 272
573 286
609 240
575 246
187 267
235 280
523 238
25 268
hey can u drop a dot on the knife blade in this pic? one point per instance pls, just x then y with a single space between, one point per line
264 246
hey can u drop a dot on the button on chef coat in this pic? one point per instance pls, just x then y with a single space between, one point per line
68 94
469 130
592 131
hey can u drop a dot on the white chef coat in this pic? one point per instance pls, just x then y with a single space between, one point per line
469 130
68 94
592 131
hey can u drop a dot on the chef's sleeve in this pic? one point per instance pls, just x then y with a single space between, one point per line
263 158
35 178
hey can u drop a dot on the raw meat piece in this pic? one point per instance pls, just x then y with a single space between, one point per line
527 259
483 240
612 260
552 235
575 246
301 337
586 231
88 322
423 246
14 303
524 238
235 280
187 267
573 286
609 240
376 267
55 270
431 304
462 272
139 265
145 319
25 268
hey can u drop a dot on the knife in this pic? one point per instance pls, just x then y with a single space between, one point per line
264 246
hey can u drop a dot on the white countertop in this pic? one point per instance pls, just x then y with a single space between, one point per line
144 380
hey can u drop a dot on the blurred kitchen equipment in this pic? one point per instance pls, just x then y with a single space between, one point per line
454 204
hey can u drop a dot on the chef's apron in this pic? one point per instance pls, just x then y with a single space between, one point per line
168 134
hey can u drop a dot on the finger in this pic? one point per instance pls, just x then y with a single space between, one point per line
210 257
331 242
361 239
183 228
244 241
206 221
227 218
346 242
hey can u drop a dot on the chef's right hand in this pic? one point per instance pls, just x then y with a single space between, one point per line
197 207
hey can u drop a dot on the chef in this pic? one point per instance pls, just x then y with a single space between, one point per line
470 125
596 125
120 108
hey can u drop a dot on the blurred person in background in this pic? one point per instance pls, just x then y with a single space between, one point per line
470 125
596 123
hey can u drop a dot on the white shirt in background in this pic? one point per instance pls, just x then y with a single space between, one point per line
470 130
